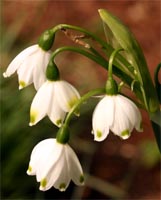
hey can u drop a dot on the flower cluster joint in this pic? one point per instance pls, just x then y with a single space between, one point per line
55 165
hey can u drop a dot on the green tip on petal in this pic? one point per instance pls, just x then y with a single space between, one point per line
22 84
125 134
62 187
81 179
99 134
58 122
29 170
33 116
72 102
43 183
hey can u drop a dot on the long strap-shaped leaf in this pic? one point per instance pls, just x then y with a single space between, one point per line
122 37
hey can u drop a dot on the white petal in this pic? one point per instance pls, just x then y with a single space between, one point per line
54 173
25 73
41 102
64 178
40 68
49 159
121 125
132 112
66 95
57 174
35 157
103 118
55 113
44 156
75 169
19 59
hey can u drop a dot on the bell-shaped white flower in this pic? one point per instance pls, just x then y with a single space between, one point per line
55 164
55 99
30 65
118 114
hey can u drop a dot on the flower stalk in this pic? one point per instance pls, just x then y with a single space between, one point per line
80 101
63 134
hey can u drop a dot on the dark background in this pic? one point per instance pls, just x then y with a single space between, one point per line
115 169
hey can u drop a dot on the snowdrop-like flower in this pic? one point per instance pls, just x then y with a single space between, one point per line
55 164
118 114
30 65
55 99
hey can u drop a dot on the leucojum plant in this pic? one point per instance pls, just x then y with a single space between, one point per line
52 160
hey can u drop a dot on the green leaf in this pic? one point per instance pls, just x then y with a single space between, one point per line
121 37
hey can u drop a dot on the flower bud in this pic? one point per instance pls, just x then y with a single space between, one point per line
46 40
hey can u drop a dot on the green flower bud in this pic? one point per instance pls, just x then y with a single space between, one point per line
63 134
111 86
52 72
46 40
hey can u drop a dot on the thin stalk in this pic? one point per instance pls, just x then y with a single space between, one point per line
111 60
108 49
104 63
80 101
100 60
117 64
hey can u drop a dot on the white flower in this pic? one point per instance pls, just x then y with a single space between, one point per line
55 99
118 114
55 164
30 65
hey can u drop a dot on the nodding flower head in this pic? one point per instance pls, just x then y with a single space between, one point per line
118 114
55 99
30 65
55 164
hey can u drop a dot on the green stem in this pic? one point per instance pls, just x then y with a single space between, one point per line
81 100
111 60
86 32
122 69
108 49
104 63
100 60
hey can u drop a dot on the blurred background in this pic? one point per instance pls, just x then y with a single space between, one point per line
114 169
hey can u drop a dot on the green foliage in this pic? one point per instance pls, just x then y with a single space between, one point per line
120 36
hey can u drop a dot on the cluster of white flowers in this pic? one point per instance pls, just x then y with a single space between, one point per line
55 163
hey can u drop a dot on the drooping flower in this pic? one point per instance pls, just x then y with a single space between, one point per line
118 114
55 164
55 99
30 65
